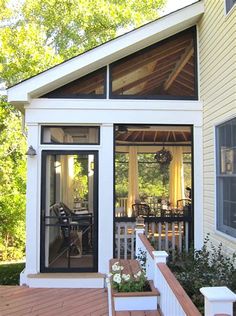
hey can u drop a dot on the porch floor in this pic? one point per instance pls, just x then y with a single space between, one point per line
23 301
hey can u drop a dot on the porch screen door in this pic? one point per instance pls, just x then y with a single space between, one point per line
69 211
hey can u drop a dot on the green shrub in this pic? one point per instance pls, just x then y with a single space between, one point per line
205 267
10 273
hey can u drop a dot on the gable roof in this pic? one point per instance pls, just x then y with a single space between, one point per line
106 53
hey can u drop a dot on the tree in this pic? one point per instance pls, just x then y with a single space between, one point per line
36 34
12 182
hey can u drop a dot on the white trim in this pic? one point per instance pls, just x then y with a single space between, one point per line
108 83
112 104
229 237
215 125
105 54
198 62
227 14
198 186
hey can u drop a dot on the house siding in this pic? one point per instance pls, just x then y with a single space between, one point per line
217 57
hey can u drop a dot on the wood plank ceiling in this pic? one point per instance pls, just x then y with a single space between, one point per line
167 68
153 135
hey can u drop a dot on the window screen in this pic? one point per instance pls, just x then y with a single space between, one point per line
90 86
70 135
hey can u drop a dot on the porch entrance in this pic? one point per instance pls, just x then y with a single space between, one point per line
69 214
153 179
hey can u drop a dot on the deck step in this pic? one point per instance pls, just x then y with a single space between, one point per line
138 313
66 280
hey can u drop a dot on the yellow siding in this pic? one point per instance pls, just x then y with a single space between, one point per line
217 54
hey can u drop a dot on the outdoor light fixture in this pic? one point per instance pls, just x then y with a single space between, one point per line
31 152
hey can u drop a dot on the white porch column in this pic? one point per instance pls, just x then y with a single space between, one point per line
218 300
32 205
198 187
105 216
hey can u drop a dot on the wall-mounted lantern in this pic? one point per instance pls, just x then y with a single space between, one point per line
31 152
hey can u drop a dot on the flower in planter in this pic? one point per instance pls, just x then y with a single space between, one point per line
122 282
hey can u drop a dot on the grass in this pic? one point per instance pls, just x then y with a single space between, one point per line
10 273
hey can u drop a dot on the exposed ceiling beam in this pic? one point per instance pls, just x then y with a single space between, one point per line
153 55
179 66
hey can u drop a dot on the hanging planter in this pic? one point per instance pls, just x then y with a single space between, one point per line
163 157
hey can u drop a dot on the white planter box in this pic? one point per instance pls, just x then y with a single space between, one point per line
136 300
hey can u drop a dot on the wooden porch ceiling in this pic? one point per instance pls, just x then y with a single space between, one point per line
158 135
167 69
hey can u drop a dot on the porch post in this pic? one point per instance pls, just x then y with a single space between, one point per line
139 229
159 257
32 205
218 300
106 205
198 187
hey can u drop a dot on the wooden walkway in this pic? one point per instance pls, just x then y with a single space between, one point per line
24 301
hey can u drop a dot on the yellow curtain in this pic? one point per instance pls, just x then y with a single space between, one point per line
132 179
176 175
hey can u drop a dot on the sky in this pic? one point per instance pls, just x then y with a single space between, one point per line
173 5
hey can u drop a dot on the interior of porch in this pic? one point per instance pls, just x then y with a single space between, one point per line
153 179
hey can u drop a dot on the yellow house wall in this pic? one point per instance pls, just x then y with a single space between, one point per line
217 70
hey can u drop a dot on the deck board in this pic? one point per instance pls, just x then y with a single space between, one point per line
24 301
138 313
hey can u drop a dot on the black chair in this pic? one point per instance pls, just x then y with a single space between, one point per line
185 205
141 209
72 236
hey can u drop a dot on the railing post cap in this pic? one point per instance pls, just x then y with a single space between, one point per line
139 229
160 256
218 293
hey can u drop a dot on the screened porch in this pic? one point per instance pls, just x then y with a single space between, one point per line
153 180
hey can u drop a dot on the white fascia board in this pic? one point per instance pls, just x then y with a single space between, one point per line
116 104
105 54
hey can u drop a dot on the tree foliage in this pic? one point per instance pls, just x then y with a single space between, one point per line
12 182
36 34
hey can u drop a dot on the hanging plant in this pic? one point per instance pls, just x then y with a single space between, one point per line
163 157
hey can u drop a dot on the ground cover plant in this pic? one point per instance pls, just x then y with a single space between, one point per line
206 267
10 273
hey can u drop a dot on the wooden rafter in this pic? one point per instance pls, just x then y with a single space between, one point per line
121 69
179 66
141 80
184 136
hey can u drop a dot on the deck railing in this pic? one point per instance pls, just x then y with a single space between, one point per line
171 234
174 301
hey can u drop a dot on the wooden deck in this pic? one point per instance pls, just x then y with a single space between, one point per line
138 313
23 301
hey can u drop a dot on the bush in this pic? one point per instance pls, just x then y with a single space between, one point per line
205 267
10 273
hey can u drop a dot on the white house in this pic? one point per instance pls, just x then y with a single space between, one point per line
138 94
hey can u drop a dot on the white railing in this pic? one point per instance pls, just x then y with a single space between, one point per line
121 204
168 236
125 240
173 299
